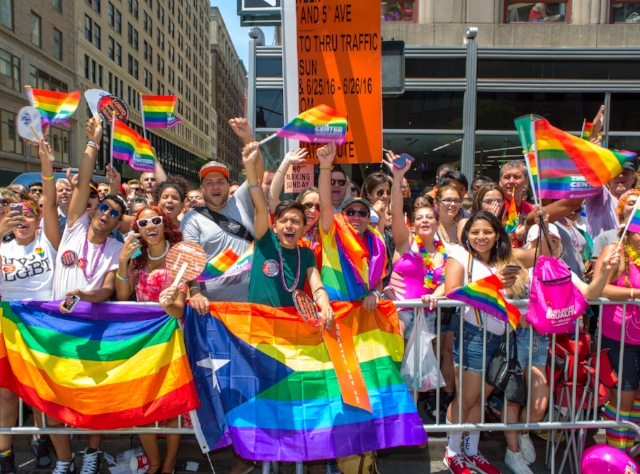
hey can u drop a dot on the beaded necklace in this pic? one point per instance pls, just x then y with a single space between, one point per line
442 233
428 261
96 260
574 236
633 255
284 283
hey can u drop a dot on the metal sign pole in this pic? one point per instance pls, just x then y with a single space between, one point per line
470 99
290 66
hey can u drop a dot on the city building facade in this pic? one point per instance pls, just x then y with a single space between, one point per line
228 85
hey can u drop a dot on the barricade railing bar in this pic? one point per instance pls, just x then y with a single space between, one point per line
576 420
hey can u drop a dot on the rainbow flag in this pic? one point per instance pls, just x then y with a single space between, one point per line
158 111
598 165
511 222
227 263
586 130
266 383
320 124
55 107
484 295
634 223
129 146
105 366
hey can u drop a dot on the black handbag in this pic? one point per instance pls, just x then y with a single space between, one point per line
506 374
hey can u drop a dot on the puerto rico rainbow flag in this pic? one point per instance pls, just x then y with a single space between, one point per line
227 263
511 223
320 124
266 383
485 295
158 111
55 107
129 146
104 366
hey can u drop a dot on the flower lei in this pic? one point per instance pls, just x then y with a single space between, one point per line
428 261
633 255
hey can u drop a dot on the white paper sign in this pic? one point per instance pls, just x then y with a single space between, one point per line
92 97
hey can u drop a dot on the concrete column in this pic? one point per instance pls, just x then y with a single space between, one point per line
425 12
596 9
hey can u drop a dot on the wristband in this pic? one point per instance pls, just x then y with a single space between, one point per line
183 287
48 178
120 278
194 288
93 145
326 169
253 187
377 293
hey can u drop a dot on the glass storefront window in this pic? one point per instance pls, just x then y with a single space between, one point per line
398 11
625 113
624 143
557 69
434 67
269 108
624 11
536 12
272 151
493 151
439 110
269 67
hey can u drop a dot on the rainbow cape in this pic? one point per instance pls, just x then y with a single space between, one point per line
586 130
158 111
484 295
266 383
105 366
511 222
227 263
349 271
320 124
129 146
54 107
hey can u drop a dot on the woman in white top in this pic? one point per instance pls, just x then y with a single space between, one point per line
27 273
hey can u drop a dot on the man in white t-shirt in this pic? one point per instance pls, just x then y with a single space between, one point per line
86 266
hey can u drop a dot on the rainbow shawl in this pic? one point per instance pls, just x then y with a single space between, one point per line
349 270
227 263
103 367
266 383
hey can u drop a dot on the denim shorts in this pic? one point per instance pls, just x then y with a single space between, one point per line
454 322
472 347
407 316
630 362
540 348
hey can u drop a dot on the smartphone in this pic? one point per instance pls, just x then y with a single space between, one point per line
137 252
401 161
510 269
16 208
70 302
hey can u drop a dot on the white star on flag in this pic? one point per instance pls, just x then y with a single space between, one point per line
214 365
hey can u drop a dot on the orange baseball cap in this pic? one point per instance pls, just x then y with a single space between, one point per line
214 166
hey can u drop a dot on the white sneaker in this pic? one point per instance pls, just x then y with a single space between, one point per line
516 463
527 449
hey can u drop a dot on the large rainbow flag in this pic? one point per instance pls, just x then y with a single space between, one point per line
158 111
320 124
104 366
485 295
227 263
267 384
129 146
55 107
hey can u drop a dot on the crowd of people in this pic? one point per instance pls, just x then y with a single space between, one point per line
75 238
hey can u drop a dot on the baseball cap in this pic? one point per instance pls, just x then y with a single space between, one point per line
630 165
353 200
534 232
214 166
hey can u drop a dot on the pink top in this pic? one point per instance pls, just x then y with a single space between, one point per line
407 278
612 314
150 285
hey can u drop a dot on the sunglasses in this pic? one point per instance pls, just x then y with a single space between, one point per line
311 205
382 192
4 201
353 188
353 212
340 182
93 195
154 221
102 207
135 190
36 190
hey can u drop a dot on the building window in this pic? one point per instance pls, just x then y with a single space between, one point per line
111 14
88 29
129 33
7 13
9 70
36 30
119 55
42 80
96 5
624 11
398 11
135 9
57 44
9 139
96 36
57 4
135 68
545 11
130 6
135 40
99 75
86 66
93 72
112 46
118 21
130 65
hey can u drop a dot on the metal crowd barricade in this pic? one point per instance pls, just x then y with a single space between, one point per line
574 429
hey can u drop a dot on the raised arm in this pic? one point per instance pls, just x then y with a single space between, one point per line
242 128
557 210
593 290
49 206
611 291
78 205
401 233
325 155
250 157
294 157
320 296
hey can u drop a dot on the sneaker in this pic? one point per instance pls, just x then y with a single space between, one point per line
90 462
8 463
480 464
41 447
516 463
68 467
429 406
331 467
457 464
527 449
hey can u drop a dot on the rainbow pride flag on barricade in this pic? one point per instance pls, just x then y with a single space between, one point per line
267 384
104 366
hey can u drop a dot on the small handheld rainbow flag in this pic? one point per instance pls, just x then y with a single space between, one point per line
511 223
586 130
484 295
226 264
158 111
634 221
320 124
55 107
129 146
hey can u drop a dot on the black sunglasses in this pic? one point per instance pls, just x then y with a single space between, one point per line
341 182
311 205
93 195
102 207
382 192
353 212
4 201
35 190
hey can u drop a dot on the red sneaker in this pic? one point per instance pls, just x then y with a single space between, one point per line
457 464
480 464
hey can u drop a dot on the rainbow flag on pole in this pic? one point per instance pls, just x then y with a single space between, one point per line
227 263
129 146
634 222
55 107
586 130
320 124
485 295
105 366
158 111
511 223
